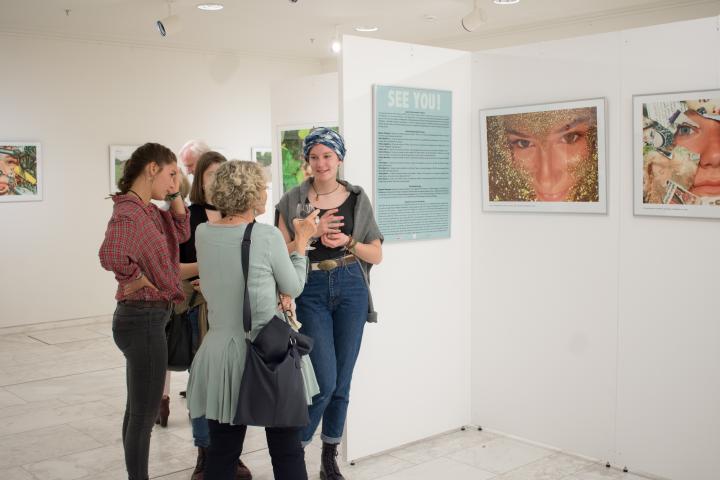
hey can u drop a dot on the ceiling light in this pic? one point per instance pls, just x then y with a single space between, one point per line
366 28
336 46
430 18
170 24
210 7
505 2
474 19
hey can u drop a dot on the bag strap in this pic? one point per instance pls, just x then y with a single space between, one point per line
247 315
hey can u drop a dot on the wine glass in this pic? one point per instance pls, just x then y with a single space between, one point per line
303 210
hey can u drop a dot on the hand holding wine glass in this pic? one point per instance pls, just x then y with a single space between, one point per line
305 228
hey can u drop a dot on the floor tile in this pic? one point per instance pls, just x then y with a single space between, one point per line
554 467
442 445
374 467
600 472
42 444
500 455
65 335
8 399
59 414
441 468
15 473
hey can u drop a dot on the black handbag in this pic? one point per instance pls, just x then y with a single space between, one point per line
178 333
272 390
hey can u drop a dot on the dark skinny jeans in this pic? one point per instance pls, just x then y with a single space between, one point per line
139 332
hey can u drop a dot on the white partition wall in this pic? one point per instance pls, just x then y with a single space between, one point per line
598 334
412 378
545 285
669 330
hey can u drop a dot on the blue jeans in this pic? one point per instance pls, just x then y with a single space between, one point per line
200 431
333 311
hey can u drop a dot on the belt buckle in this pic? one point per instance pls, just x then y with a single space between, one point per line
327 265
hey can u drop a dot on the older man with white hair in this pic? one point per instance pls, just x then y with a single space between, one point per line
190 153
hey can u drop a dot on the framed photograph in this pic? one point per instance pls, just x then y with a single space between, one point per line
20 172
545 158
263 156
293 167
677 154
119 154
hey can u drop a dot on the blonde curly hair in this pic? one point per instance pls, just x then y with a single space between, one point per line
237 187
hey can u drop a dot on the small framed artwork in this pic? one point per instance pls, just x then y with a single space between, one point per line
677 154
263 156
119 154
20 172
545 158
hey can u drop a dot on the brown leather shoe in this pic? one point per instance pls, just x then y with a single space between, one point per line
199 472
164 412
242 472
329 469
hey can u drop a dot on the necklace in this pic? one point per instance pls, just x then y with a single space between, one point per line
318 194
135 193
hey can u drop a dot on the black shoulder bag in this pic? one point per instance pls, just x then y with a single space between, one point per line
178 333
272 391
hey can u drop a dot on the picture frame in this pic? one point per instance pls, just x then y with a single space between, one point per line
676 154
21 171
119 154
547 158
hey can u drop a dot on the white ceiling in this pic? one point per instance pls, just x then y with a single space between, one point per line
304 30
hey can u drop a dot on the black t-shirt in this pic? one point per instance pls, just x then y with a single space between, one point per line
347 210
198 215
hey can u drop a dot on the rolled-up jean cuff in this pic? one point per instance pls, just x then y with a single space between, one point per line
330 440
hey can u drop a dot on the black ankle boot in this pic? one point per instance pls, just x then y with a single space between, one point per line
329 469
199 472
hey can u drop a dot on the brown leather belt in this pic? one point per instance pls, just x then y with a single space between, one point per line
327 265
148 304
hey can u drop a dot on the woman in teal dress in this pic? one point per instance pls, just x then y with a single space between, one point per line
239 192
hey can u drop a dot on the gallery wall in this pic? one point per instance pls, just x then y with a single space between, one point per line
301 103
78 98
412 377
597 334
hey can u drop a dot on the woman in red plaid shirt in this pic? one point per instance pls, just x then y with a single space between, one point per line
141 248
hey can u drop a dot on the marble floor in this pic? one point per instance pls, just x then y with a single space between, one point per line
62 397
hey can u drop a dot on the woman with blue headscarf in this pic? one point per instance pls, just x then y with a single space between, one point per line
336 302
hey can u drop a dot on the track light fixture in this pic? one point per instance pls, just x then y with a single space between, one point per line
170 24
474 19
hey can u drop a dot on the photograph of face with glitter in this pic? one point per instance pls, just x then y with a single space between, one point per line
680 157
19 172
544 156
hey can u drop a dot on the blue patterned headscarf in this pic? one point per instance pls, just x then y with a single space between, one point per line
324 136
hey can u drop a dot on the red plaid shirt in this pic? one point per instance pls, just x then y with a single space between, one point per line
144 239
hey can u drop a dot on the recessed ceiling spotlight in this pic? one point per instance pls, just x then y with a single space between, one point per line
430 18
505 2
366 28
210 7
